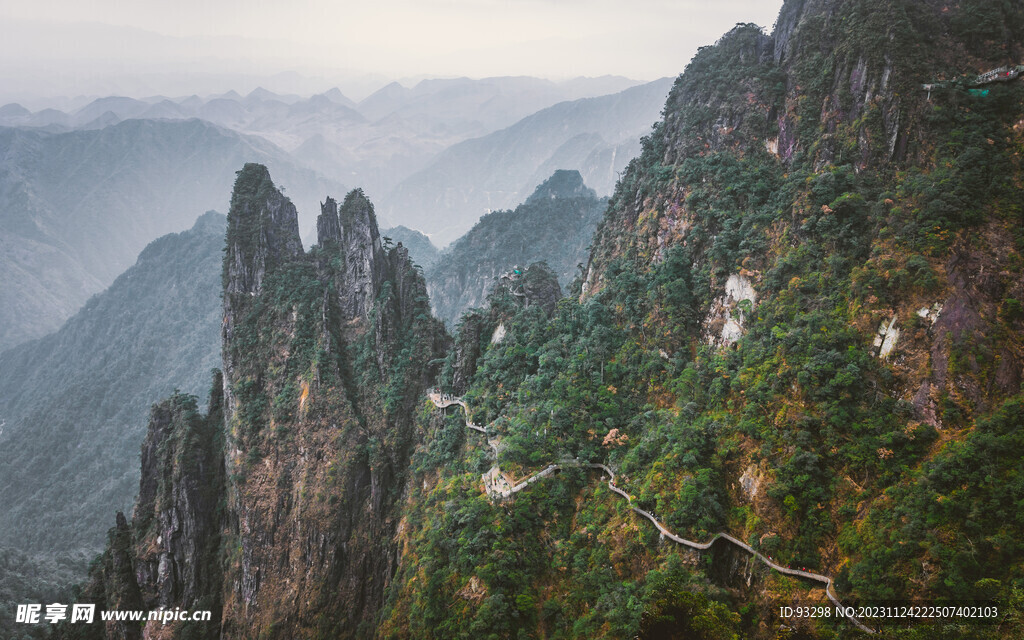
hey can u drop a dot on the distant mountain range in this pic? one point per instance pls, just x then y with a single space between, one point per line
82 191
597 136
77 207
373 143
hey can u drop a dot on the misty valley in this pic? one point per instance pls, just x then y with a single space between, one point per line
734 354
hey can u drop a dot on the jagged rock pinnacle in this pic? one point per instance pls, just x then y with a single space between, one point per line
328 227
362 253
263 231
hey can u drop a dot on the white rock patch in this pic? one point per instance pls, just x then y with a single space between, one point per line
728 311
739 287
499 334
886 338
930 314
750 481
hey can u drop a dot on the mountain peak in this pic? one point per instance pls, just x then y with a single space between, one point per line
337 97
259 93
211 222
263 230
563 183
328 229
14 109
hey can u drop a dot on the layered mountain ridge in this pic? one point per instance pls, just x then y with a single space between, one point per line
77 207
75 402
799 325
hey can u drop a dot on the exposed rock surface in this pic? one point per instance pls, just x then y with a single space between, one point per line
169 556
313 508
471 330
725 321
887 337
287 529
178 516
263 231
363 265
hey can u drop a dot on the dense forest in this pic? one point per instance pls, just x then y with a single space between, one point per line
863 419
555 225
799 323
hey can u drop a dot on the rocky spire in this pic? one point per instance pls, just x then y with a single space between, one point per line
263 234
364 267
263 231
328 227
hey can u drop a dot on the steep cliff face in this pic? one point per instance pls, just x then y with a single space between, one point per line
263 231
329 358
838 83
352 230
278 510
824 134
169 555
178 516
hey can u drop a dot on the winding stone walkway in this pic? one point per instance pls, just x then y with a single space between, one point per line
496 486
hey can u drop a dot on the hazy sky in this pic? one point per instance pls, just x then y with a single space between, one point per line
72 43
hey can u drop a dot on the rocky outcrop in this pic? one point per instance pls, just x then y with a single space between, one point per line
328 227
263 231
121 591
836 83
729 118
262 235
536 285
324 366
886 338
169 555
363 269
278 510
468 349
724 324
178 516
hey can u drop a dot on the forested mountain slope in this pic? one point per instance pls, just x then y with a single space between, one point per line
799 325
555 224
74 403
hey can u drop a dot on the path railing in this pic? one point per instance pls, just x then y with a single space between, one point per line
442 401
